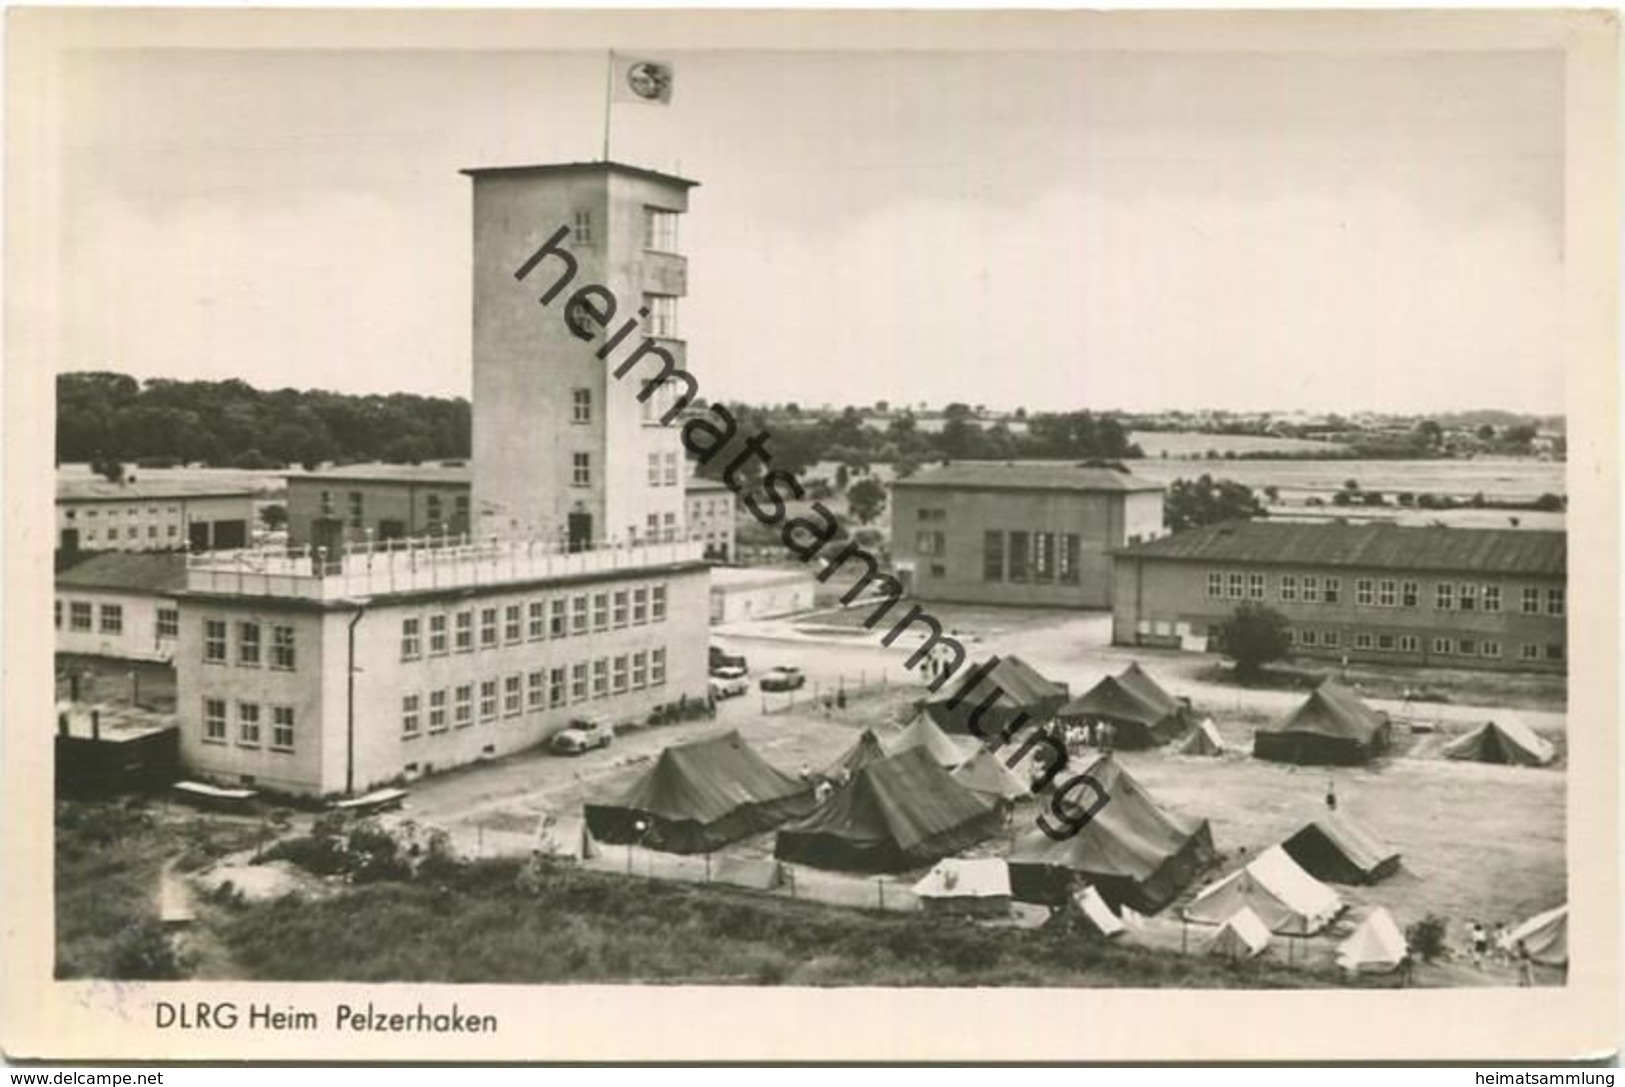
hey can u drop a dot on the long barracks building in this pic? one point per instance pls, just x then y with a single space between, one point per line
1446 597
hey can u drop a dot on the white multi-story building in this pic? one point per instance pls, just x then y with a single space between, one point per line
120 605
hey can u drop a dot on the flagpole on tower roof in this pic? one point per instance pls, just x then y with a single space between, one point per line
609 94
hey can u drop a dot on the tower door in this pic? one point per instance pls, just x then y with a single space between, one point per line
580 532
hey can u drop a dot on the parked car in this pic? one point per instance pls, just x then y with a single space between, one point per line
728 687
727 665
584 734
783 678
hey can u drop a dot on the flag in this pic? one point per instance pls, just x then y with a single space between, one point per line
638 79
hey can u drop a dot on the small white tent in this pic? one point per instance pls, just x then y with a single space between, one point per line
1376 945
1242 936
1099 914
1203 740
958 885
1285 897
1545 936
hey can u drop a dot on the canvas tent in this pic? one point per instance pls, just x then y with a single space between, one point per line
1504 740
1139 711
901 812
865 750
979 888
1133 851
1242 936
949 751
699 796
1545 936
1333 726
1203 740
1009 688
1376 945
1337 849
987 774
1285 897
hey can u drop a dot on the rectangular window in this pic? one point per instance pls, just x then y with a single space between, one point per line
578 614
657 667
281 728
1467 598
581 469
581 405
214 720
536 690
282 654
1492 598
437 709
537 626
56 611
357 514
411 722
660 230
657 604
1489 647
1387 593
1289 587
433 509
1071 558
671 469
925 542
1330 590
600 678
214 635
327 503
513 623
248 644
1043 557
578 682
1554 651
248 724
1385 642
437 635
464 712
1554 602
513 696
653 473
640 607
621 674
1235 585
112 618
112 532
488 628
557 626
1408 643
1467 647
662 322
1363 592
651 527
169 623
1019 551
1409 593
640 670
465 632
671 526
992 555
411 638
1311 589
555 686
1255 586
1362 641
1441 645
1331 639
488 700
581 228
620 609
1529 651
600 611
1444 596
1531 600
1307 637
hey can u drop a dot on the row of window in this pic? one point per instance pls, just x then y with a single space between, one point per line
250 644
1380 592
1038 557
82 618
530 692
129 511
659 228
250 717
133 532
663 470
533 621
1370 641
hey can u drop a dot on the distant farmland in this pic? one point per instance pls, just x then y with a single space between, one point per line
1497 478
1181 443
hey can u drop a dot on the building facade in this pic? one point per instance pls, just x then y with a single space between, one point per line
380 502
1445 597
566 257
300 677
711 518
120 605
94 514
759 592
1022 533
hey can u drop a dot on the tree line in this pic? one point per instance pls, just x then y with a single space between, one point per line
108 417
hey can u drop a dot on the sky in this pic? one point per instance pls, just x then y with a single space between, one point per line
1060 229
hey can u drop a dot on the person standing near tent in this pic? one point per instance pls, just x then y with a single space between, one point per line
1526 966
1331 795
1479 940
1500 943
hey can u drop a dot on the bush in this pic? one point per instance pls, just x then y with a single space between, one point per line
1426 937
1253 636
142 952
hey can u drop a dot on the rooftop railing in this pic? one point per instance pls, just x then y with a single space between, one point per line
368 569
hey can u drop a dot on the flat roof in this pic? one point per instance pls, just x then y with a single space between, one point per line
697 484
98 489
580 167
389 473
1534 552
985 475
128 571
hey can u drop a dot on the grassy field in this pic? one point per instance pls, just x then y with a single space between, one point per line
1482 687
1503 477
1186 444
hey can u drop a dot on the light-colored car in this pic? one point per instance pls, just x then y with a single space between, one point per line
783 678
728 671
728 687
583 735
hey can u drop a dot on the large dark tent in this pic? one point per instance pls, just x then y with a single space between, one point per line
1336 849
699 796
1139 711
1010 687
900 813
1506 740
865 750
1134 852
1332 727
